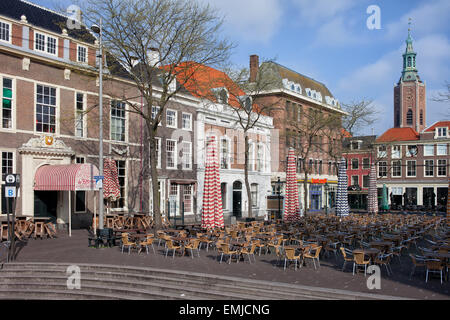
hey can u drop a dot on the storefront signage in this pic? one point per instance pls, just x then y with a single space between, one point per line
319 181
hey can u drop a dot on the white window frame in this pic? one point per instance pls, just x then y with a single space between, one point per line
396 152
83 115
174 154
408 153
425 167
56 106
46 42
381 153
352 180
392 166
79 46
155 110
444 165
357 163
439 132
125 187
9 40
174 126
125 126
158 152
13 151
427 147
439 149
188 196
415 169
13 103
385 166
190 121
228 155
189 157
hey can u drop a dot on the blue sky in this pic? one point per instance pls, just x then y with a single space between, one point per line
328 40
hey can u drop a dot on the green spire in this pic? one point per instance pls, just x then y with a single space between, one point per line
409 72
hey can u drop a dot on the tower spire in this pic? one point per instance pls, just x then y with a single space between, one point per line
409 72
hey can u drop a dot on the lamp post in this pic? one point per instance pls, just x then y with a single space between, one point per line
326 186
98 30
279 197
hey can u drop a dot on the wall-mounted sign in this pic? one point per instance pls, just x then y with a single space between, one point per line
319 181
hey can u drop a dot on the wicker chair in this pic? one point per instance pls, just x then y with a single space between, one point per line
313 256
434 266
171 246
348 256
227 252
126 243
289 255
384 260
358 261
146 243
249 252
193 245
418 261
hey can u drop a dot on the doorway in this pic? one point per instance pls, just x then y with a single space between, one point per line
45 204
237 199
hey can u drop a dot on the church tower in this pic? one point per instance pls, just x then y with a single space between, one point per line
409 93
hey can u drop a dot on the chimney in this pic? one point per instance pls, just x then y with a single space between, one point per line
254 67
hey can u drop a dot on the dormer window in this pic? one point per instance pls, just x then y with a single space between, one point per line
441 132
246 102
221 95
355 145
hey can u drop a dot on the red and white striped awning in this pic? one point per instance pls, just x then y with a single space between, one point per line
291 204
69 177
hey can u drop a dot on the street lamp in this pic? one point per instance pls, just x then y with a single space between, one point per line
98 30
327 188
279 197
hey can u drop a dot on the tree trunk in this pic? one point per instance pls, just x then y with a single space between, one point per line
154 181
305 191
247 184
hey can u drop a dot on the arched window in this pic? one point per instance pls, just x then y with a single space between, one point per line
409 117
421 117
409 61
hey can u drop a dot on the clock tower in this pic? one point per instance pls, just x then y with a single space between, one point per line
409 93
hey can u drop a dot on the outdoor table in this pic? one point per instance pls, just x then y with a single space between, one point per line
371 252
385 245
438 255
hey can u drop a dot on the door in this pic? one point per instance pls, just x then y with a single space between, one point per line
237 199
45 203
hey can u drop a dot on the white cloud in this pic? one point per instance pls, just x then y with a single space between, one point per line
316 11
336 32
251 20
427 18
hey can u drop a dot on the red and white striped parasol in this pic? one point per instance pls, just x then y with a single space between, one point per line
372 197
111 185
291 204
212 215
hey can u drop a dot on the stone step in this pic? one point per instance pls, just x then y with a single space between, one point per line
143 282
226 283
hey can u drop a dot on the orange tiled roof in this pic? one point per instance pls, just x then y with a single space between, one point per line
399 134
345 133
438 124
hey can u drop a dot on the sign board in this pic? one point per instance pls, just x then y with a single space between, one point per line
12 179
98 182
10 192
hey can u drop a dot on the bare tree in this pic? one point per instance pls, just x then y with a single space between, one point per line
154 41
444 96
360 114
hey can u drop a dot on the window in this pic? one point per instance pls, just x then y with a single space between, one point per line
411 151
366 163
171 118
382 152
82 54
254 194
365 181
320 167
396 168
5 31
121 170
187 198
428 150
223 192
79 160
441 150
79 116
355 145
410 168
155 111
45 109
442 168
158 153
173 195
409 117
45 43
224 154
117 120
355 164
382 169
396 152
421 117
355 181
7 168
429 168
7 103
187 154
171 147
441 132
186 121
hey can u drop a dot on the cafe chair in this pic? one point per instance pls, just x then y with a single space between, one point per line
126 243
384 260
260 245
418 261
359 261
348 256
193 245
313 254
249 252
227 252
397 252
278 242
289 255
434 266
331 247
39 230
204 240
148 242
171 246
